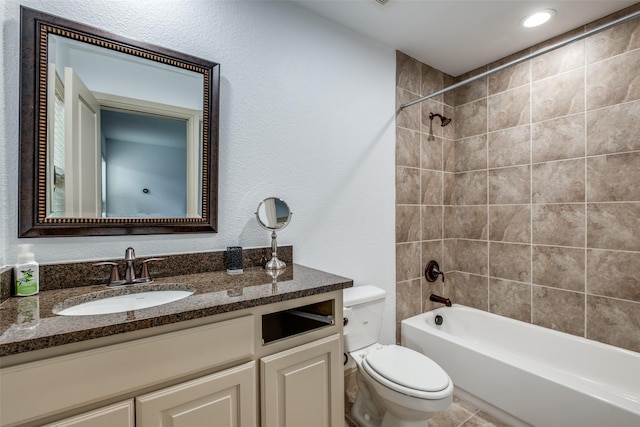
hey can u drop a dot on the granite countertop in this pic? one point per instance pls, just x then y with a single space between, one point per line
29 323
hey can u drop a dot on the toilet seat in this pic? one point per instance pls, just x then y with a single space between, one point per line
406 371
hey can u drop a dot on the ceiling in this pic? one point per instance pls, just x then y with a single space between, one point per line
456 36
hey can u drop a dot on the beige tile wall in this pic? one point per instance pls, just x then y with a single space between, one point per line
530 198
424 161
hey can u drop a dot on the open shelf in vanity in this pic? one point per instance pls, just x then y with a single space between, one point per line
298 320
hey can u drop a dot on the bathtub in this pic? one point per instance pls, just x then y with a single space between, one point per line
528 375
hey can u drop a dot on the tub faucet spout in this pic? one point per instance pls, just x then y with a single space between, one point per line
441 300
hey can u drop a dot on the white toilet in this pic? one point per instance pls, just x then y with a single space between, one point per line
398 387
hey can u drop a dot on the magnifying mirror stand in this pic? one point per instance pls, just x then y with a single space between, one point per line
274 282
273 214
274 263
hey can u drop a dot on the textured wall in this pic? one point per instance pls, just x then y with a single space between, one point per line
306 114
541 207
7 167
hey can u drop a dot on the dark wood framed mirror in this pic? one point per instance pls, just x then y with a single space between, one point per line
116 136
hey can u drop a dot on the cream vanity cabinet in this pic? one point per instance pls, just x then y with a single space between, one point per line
300 386
118 414
225 399
264 366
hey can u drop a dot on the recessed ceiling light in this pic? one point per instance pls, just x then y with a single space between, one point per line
537 18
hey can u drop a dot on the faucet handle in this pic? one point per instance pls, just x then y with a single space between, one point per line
432 271
115 275
144 274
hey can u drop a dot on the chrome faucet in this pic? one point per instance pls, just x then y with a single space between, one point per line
130 272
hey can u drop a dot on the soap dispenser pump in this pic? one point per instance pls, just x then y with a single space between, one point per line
26 272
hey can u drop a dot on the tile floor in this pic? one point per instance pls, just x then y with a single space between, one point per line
459 414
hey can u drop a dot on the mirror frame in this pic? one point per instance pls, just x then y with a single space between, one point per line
32 220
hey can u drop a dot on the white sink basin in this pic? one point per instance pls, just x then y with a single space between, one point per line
122 303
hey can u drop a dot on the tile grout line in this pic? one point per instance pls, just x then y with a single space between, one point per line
420 201
586 210
531 245
471 416
487 200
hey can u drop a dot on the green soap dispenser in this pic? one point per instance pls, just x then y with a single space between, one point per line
26 272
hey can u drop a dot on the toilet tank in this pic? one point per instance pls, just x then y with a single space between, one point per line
363 308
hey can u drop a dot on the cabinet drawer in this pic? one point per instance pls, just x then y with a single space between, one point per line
71 381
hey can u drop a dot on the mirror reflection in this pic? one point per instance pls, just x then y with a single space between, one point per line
124 134
116 136
273 214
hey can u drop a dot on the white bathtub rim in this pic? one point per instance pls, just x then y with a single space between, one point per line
554 332
615 396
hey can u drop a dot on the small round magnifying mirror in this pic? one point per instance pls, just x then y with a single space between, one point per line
273 214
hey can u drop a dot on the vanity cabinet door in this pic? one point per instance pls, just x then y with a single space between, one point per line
116 415
226 398
303 386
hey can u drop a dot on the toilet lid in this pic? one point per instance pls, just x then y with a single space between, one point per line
408 368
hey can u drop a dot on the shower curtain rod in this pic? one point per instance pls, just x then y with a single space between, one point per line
524 58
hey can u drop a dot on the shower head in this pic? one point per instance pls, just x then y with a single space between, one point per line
443 120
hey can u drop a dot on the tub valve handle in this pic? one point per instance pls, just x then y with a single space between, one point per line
432 271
